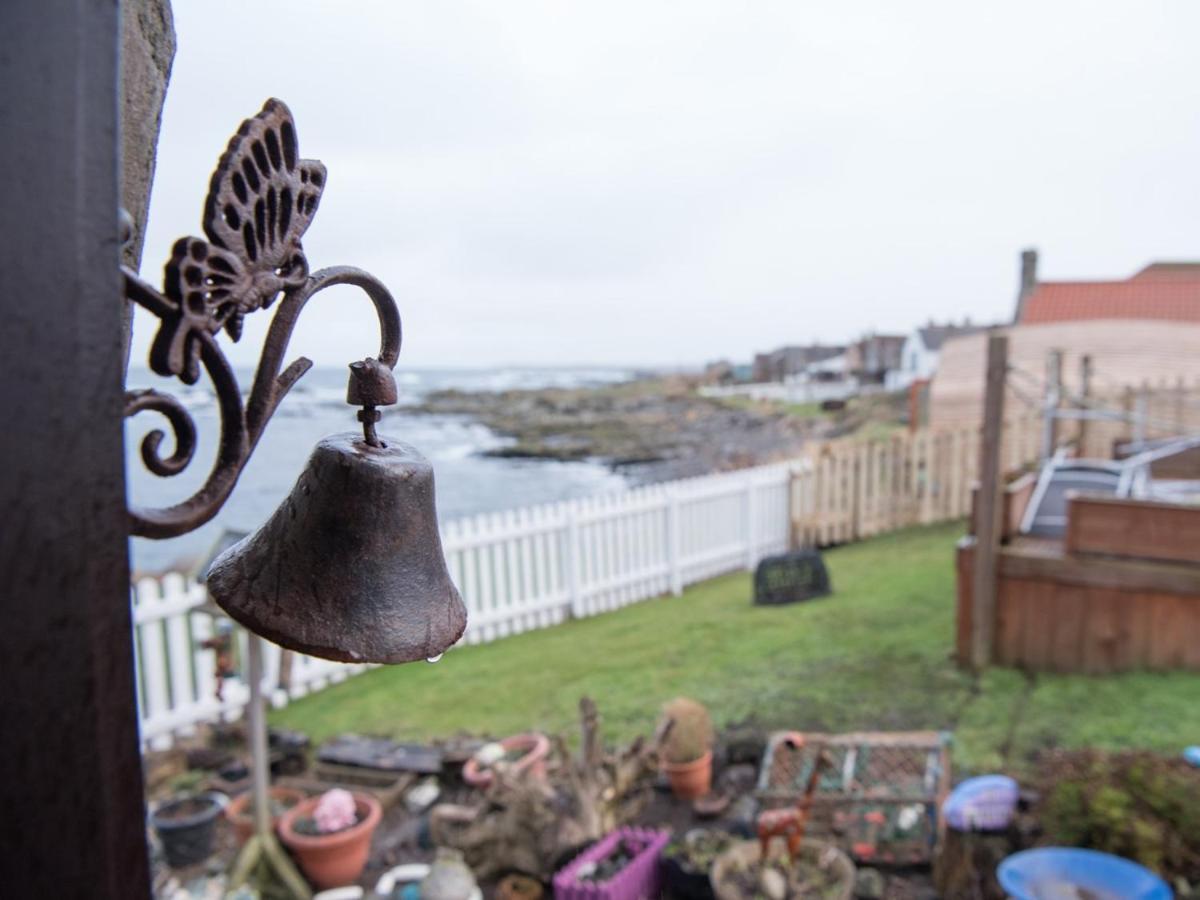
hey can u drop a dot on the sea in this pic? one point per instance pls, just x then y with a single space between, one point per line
467 482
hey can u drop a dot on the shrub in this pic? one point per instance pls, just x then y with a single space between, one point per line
1136 805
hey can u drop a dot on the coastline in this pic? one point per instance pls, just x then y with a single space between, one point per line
649 429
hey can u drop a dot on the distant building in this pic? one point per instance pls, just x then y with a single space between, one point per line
871 358
1140 330
719 372
778 365
1163 290
919 355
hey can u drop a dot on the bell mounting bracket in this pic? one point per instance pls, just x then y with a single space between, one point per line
261 200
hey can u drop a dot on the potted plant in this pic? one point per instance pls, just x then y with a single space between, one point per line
330 835
240 811
686 863
185 826
687 747
622 866
516 754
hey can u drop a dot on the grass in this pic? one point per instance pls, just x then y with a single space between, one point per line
877 654
799 410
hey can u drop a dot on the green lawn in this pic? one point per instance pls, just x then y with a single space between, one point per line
877 654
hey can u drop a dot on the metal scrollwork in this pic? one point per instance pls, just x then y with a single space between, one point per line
260 202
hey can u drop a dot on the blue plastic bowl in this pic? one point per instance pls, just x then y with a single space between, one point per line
1051 873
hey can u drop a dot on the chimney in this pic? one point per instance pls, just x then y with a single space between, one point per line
1029 261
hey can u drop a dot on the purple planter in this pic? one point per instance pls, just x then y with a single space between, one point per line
637 881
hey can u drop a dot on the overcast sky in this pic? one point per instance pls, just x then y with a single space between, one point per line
667 183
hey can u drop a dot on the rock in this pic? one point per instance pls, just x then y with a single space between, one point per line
868 884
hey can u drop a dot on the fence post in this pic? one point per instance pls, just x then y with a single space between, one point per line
1085 398
751 528
794 505
573 553
1051 402
990 509
673 542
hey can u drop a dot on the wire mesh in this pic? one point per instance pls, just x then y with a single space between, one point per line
877 794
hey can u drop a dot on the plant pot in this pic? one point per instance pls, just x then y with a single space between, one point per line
834 864
240 811
337 859
683 883
637 879
186 827
686 863
536 748
691 779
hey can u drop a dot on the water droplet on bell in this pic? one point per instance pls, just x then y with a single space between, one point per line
433 659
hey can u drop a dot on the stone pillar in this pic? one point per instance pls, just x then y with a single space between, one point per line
147 51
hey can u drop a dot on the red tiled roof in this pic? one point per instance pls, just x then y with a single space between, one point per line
1174 299
1169 271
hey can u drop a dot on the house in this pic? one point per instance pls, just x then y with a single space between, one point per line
1121 354
829 369
919 356
1167 291
780 364
873 356
719 372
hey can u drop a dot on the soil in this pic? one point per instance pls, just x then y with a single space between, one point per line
184 809
308 826
603 870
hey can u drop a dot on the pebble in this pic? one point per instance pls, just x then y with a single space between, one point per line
868 884
773 884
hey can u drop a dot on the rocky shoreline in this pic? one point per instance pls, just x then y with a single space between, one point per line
650 429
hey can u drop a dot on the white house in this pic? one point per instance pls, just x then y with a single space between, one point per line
919 358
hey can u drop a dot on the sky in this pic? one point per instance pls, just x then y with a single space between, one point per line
665 183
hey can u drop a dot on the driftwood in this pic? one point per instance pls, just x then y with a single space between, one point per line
965 867
530 825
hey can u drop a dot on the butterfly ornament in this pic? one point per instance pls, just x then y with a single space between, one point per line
260 202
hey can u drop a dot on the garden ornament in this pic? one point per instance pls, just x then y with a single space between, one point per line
791 823
350 567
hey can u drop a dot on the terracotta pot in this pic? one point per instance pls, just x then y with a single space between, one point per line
337 859
240 811
691 779
537 747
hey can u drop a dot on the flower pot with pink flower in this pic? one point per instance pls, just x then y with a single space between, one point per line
330 836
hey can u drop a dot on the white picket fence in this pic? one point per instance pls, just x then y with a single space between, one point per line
517 571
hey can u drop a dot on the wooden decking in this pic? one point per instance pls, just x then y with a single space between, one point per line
1061 611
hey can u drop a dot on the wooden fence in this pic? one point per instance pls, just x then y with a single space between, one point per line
535 567
851 489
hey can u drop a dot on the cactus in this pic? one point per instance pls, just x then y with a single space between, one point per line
690 733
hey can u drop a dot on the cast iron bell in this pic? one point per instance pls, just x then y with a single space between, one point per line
350 567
